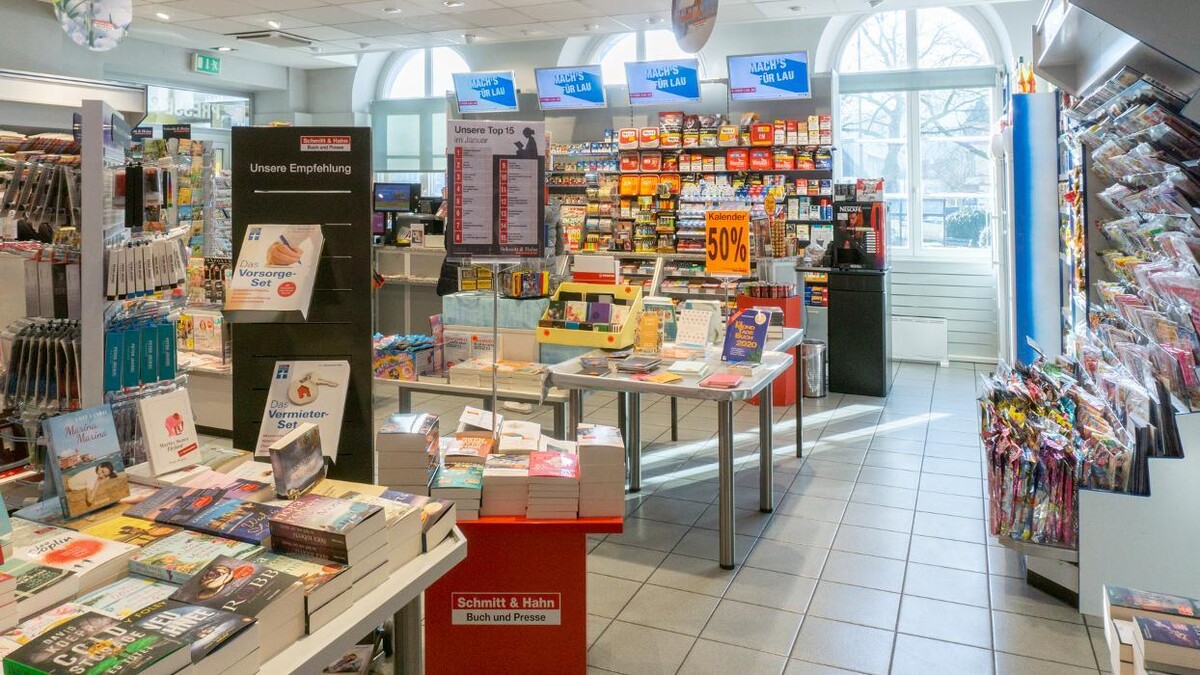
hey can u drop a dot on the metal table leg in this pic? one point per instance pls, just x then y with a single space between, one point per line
623 418
405 401
674 419
634 417
574 412
408 653
560 420
799 404
766 459
725 482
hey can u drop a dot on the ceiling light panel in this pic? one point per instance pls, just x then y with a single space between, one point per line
216 8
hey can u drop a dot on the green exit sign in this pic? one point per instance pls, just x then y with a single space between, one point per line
209 65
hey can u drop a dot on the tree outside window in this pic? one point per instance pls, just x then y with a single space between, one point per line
919 90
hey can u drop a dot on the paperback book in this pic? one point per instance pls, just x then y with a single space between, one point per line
276 269
235 585
168 431
296 461
133 531
325 527
175 504
323 579
126 596
179 556
202 629
72 551
85 460
236 519
95 643
746 337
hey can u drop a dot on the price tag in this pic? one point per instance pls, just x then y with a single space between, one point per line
727 242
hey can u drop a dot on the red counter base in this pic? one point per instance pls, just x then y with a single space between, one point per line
518 603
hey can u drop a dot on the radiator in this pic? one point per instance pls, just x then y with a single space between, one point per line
916 338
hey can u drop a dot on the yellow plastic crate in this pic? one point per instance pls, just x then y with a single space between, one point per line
595 339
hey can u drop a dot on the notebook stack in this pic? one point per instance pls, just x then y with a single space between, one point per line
461 483
249 589
601 471
1151 632
94 561
505 485
553 485
340 530
406 452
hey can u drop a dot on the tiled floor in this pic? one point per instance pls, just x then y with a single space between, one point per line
875 560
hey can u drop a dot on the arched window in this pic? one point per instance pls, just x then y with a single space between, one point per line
424 73
409 119
651 45
918 89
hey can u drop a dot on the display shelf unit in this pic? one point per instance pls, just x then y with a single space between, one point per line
408 297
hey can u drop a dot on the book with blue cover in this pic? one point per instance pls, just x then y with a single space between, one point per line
236 519
85 460
746 337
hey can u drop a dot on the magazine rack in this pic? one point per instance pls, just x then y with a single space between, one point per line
303 175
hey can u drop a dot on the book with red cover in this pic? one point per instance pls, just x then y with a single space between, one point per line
721 381
553 465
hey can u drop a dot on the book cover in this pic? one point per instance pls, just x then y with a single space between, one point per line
94 644
85 460
1158 603
506 465
51 618
202 629
329 514
157 503
577 311
599 312
521 429
470 447
548 444
189 505
297 461
312 572
126 596
276 269
305 391
721 381
235 585
254 471
234 487
745 337
553 465
69 550
179 556
32 578
1172 633
236 519
133 531
168 431
460 475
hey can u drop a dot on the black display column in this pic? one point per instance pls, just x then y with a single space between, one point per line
860 342
306 175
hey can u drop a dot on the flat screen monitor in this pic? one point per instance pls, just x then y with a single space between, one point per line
766 77
396 197
663 82
494 91
571 88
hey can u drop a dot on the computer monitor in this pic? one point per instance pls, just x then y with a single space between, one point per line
396 197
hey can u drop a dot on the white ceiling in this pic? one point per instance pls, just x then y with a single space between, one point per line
339 29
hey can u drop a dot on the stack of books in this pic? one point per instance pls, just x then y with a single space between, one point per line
519 437
401 511
1151 632
251 590
601 471
638 364
467 447
505 485
341 530
218 640
519 376
94 561
461 483
327 592
553 485
406 452
39 587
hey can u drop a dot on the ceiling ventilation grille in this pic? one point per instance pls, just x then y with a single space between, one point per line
273 38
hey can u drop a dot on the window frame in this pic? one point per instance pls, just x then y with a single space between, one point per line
911 82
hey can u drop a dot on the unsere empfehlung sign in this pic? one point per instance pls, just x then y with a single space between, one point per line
496 181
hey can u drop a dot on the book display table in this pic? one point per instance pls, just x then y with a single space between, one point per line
566 375
398 597
557 400
524 585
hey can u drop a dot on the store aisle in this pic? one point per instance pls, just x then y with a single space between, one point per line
876 560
